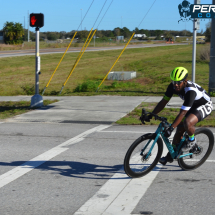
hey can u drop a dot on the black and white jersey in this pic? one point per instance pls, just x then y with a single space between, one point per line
193 95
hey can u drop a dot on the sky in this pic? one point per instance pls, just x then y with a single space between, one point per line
66 15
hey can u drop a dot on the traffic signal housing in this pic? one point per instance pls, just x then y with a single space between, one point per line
37 20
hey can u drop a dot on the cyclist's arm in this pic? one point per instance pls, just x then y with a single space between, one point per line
160 106
179 118
188 103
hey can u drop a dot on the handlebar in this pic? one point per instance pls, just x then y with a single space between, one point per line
145 116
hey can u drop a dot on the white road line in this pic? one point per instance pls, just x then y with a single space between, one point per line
19 171
136 132
119 195
191 160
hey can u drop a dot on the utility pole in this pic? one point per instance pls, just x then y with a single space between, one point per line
24 30
28 25
212 57
195 27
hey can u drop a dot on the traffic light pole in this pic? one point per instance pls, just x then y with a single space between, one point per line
194 51
37 99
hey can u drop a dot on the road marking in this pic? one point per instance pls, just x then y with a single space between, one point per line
119 195
19 171
136 132
199 160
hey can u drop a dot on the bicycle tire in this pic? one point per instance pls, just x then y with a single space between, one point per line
205 142
132 163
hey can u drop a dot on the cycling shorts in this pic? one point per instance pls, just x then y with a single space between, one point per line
202 111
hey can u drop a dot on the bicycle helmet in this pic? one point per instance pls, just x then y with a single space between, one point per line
179 74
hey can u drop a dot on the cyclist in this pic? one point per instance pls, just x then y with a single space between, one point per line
197 105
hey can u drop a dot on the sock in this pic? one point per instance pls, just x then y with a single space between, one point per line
174 146
191 138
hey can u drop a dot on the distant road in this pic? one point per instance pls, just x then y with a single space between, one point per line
16 53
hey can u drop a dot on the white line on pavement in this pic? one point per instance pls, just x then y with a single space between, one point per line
119 195
19 171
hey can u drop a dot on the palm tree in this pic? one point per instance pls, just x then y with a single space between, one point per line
18 30
13 32
9 30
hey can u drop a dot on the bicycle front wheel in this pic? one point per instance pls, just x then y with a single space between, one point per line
139 160
205 142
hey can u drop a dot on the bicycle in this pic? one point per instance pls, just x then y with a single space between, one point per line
144 154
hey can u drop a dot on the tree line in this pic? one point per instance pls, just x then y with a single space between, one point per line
14 33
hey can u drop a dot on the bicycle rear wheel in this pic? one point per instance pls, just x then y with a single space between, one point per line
138 161
205 142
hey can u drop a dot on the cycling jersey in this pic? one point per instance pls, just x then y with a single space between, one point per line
193 95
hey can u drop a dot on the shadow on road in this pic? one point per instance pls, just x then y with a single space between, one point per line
72 169
83 170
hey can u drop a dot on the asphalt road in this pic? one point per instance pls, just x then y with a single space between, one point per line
15 53
53 166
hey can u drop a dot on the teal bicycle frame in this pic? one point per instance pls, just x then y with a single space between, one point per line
174 153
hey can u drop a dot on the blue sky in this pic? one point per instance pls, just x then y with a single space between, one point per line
65 15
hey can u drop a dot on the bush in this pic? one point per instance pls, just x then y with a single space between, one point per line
87 86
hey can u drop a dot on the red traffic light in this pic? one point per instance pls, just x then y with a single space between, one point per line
36 20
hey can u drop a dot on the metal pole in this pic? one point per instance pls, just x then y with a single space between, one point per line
194 45
81 19
28 26
37 62
37 100
94 40
212 58
194 51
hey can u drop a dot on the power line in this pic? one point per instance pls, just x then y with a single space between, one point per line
100 13
104 14
85 15
146 14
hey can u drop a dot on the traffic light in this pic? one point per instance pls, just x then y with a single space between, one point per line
36 20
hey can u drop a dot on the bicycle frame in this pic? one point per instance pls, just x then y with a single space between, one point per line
160 132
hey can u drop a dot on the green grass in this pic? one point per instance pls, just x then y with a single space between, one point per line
46 45
132 118
10 109
152 65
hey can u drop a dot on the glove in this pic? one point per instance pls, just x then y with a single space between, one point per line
168 131
148 118
145 118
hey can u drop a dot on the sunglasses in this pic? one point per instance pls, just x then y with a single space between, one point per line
177 82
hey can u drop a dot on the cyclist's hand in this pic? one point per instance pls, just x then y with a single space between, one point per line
168 131
145 118
148 118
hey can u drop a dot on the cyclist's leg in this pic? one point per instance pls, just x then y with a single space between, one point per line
189 123
176 139
194 115
178 134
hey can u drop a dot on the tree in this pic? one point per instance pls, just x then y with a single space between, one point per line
13 33
117 31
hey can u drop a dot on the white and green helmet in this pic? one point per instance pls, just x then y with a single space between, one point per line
179 74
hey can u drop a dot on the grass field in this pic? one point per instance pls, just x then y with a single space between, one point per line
10 109
152 65
170 113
